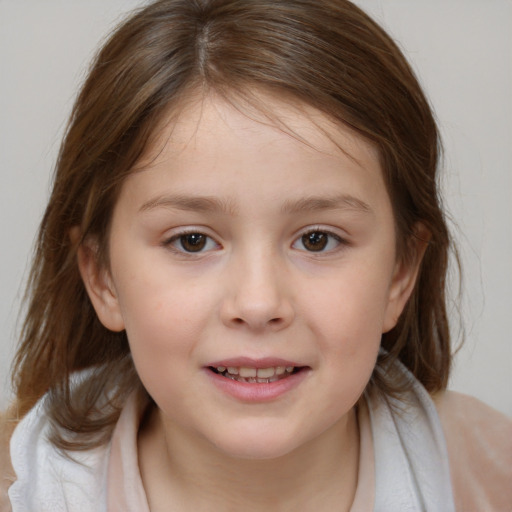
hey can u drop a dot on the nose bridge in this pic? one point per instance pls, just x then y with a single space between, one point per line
258 294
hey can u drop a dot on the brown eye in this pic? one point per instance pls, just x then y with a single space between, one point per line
193 242
318 240
315 241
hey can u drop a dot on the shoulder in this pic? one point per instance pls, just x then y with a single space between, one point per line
479 442
47 478
7 475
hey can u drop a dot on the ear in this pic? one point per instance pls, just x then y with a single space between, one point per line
405 275
98 283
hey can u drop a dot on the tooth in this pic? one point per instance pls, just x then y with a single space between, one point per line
221 369
265 373
247 372
289 369
262 381
280 370
232 370
273 379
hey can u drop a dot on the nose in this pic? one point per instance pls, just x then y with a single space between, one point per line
258 295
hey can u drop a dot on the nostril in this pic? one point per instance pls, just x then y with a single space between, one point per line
272 321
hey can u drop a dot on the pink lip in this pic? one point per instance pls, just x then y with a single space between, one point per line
256 392
247 362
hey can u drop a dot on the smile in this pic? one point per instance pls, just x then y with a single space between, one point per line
256 380
255 375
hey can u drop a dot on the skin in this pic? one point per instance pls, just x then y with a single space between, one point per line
256 289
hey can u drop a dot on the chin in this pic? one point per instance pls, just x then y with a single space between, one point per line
258 444
257 451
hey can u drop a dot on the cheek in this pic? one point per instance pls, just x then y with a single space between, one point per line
164 330
350 306
346 317
164 319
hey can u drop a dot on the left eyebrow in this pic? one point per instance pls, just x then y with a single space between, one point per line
313 203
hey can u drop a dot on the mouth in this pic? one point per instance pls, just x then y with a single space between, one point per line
252 375
259 380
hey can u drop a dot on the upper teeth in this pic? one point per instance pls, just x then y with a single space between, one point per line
261 373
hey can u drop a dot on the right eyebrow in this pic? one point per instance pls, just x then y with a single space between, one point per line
204 204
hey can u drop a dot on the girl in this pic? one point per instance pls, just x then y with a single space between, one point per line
237 298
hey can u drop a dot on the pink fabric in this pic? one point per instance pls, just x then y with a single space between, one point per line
365 492
479 441
125 492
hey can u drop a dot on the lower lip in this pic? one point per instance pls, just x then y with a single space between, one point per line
257 391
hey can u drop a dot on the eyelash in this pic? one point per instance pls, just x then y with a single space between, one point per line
329 237
179 238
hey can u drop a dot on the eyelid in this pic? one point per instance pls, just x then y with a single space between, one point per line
330 231
180 232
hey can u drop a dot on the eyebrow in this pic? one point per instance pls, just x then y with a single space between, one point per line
202 204
320 203
210 204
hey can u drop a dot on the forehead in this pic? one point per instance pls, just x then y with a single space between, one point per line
193 115
268 138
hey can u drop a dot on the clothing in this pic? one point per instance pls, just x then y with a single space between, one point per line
403 463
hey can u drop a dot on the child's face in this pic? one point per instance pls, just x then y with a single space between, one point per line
240 246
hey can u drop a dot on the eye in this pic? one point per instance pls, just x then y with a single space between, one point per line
192 242
317 241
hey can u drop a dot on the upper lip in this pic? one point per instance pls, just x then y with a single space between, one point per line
248 362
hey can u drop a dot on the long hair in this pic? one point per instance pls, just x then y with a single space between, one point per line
327 54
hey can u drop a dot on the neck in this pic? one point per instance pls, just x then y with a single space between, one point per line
179 468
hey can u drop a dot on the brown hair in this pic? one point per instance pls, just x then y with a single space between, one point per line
325 53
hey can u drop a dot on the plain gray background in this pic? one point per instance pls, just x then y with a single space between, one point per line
462 52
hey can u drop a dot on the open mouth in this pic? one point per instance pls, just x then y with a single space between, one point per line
256 375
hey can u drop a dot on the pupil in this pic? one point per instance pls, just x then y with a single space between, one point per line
315 241
193 242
